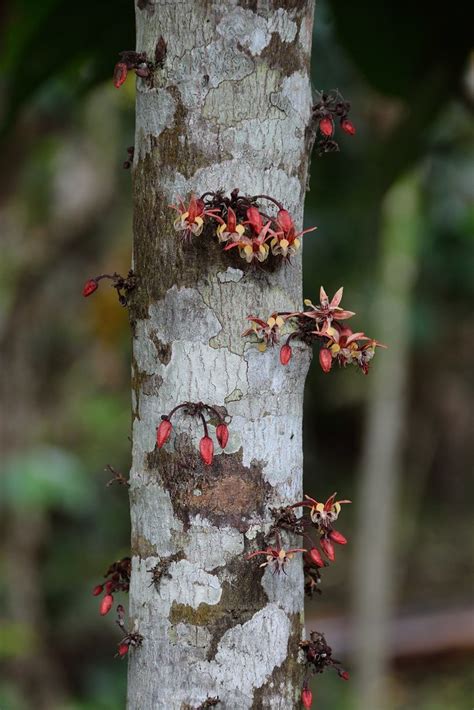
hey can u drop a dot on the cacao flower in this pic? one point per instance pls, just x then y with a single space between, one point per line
206 447
347 126
325 359
106 604
285 354
89 287
306 698
163 432
120 74
337 537
328 548
326 126
222 434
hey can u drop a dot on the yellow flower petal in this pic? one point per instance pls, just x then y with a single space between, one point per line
271 321
240 229
280 322
262 347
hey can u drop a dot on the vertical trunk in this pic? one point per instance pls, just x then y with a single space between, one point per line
230 108
375 560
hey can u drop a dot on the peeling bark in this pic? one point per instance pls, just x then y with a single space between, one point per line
230 108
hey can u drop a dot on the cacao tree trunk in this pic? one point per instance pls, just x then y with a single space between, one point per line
230 108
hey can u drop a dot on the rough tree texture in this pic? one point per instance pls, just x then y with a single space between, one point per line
230 108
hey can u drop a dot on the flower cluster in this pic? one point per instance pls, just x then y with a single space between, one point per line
122 284
240 223
196 409
132 639
118 580
331 108
320 519
322 323
317 657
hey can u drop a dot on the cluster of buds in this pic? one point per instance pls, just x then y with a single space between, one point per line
317 657
241 223
138 62
321 518
330 109
118 580
122 284
196 409
130 153
131 639
322 323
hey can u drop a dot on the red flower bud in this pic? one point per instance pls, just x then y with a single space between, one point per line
284 220
231 220
347 126
89 287
314 556
344 675
328 548
326 126
98 590
206 447
337 537
325 359
108 587
120 74
163 432
285 354
255 219
222 434
306 698
106 604
122 649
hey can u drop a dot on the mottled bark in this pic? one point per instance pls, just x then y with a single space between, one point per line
230 108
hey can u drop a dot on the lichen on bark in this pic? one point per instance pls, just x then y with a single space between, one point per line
230 108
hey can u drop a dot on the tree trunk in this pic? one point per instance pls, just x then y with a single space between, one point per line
230 108
375 563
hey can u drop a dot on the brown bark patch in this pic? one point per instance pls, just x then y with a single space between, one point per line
227 494
240 601
163 350
284 56
142 547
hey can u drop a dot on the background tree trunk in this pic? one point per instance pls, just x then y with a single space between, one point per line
381 459
230 108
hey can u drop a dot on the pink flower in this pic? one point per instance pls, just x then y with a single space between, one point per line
350 348
190 219
276 556
267 332
287 241
230 230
